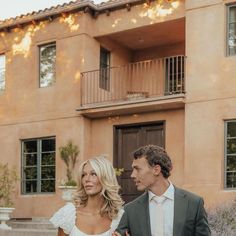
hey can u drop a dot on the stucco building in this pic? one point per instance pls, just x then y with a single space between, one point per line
112 77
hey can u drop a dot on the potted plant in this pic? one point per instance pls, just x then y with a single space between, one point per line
69 154
8 178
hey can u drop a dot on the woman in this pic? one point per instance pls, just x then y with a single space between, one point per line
97 206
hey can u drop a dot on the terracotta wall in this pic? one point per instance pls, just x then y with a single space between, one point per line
210 97
23 100
159 52
138 16
27 111
11 135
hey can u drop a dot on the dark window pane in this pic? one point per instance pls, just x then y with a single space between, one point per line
31 186
232 14
33 173
231 180
48 145
231 129
48 158
104 77
30 172
104 58
30 159
30 146
48 172
231 146
48 186
231 163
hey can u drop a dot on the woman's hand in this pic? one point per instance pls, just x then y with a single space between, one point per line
61 232
117 234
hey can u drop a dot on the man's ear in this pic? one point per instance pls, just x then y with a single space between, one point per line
157 170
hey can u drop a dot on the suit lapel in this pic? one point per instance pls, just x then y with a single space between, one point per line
180 209
143 211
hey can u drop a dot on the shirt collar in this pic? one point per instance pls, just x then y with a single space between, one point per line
169 193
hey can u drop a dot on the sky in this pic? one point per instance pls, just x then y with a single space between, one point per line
13 8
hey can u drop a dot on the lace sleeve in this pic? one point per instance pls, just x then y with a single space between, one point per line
115 222
65 218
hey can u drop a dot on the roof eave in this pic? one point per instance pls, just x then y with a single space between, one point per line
54 12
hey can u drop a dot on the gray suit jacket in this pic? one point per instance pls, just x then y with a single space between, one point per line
189 216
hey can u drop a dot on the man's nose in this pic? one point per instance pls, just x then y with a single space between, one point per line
132 174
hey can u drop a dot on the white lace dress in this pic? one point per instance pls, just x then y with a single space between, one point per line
65 218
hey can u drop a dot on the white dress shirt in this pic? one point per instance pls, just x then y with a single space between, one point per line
168 208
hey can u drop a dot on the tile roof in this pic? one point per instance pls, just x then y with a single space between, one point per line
72 6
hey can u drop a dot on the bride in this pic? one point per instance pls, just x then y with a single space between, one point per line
97 206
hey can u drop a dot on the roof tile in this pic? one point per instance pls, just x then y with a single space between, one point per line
72 5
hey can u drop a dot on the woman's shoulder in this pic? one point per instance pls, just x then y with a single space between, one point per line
65 218
115 222
68 208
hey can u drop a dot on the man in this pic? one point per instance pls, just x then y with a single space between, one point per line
163 210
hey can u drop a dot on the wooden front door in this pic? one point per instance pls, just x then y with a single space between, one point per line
126 140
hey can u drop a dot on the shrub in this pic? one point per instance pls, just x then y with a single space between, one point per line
222 220
8 178
69 154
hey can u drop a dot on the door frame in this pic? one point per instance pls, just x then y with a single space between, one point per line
115 136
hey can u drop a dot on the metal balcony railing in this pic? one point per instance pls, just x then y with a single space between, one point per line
140 80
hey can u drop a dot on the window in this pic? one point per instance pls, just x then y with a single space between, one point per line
230 154
47 66
2 71
38 165
231 32
104 79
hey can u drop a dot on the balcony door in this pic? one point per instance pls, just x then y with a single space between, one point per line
104 79
126 140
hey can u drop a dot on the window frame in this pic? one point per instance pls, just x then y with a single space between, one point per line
39 64
229 6
226 154
38 167
4 72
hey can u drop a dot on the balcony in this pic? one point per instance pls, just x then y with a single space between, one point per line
140 84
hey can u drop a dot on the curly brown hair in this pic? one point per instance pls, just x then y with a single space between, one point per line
155 155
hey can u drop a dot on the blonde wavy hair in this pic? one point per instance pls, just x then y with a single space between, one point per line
110 188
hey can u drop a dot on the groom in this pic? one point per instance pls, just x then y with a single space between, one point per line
163 210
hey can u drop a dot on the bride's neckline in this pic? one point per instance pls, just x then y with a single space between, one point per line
101 234
87 213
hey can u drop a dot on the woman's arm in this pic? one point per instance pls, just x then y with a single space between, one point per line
61 232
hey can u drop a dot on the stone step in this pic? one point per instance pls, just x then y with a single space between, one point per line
28 232
17 224
34 227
